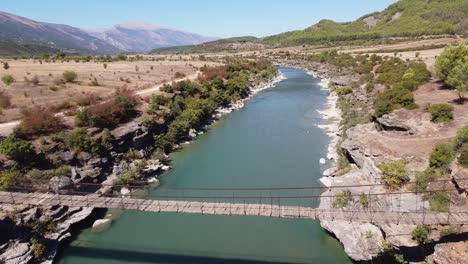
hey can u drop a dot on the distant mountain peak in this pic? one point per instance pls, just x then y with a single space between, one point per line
140 25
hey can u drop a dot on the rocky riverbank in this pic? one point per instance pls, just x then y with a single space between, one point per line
365 147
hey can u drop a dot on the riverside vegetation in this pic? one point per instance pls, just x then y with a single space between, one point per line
373 88
44 146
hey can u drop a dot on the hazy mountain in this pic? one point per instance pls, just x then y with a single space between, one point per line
20 32
142 37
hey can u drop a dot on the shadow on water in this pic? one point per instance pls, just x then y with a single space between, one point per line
152 257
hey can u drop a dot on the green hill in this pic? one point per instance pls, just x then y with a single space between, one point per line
404 18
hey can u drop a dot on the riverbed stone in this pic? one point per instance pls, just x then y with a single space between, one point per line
59 184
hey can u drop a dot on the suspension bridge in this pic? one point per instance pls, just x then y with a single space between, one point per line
242 205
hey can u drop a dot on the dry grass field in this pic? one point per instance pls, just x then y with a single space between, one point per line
94 79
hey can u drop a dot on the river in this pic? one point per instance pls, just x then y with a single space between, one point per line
273 141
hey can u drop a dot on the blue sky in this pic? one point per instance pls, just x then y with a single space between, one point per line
222 18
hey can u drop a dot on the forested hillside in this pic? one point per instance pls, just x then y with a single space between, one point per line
404 18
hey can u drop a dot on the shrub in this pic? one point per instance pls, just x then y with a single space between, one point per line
35 80
439 201
463 159
8 79
6 66
79 140
421 234
38 248
94 82
110 113
344 90
38 121
394 173
11 179
423 179
69 76
393 99
87 99
5 100
441 156
441 113
451 230
462 137
364 200
342 199
17 149
179 75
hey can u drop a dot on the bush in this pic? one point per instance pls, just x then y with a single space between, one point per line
463 159
441 156
8 79
17 149
5 100
79 140
344 90
424 178
393 99
394 173
6 66
421 234
11 179
439 201
364 200
110 113
69 76
38 248
38 121
35 80
451 230
462 137
441 113
342 199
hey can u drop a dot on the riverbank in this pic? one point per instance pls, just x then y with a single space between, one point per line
365 144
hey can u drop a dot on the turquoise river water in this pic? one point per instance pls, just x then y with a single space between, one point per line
273 141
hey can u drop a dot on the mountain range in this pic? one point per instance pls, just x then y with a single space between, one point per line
405 18
22 35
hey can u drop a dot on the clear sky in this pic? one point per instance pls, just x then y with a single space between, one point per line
221 18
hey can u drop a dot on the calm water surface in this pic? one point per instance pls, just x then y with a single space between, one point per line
272 142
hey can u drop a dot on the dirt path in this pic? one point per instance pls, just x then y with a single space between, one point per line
155 89
7 128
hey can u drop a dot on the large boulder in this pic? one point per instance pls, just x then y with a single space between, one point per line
448 253
59 184
67 157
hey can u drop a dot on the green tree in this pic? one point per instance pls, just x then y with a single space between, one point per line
449 59
458 78
394 173
452 67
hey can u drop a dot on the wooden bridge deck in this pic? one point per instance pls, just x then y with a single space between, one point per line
241 209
